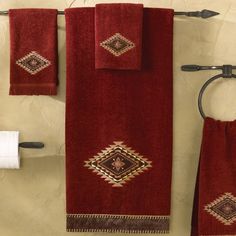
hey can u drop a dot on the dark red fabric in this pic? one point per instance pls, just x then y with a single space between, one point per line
216 178
103 106
33 30
125 19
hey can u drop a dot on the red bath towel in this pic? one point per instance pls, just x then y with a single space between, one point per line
119 131
33 52
214 212
118 36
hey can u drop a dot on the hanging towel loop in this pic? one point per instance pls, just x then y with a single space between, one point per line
226 73
201 14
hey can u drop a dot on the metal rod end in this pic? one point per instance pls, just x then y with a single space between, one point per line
36 145
190 67
207 13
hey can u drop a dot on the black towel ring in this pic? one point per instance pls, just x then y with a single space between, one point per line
227 73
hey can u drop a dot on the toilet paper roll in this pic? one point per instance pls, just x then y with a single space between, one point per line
9 150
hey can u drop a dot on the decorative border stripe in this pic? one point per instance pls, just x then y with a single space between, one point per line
117 223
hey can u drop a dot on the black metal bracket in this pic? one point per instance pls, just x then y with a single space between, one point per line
36 145
226 69
226 73
200 14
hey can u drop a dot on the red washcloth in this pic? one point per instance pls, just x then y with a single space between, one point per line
214 212
119 131
33 52
118 36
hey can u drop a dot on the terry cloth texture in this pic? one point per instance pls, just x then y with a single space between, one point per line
33 52
214 211
119 130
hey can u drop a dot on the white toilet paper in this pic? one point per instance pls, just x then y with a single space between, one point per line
9 150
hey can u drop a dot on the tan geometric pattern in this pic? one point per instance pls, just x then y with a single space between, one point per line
33 62
117 164
223 208
117 44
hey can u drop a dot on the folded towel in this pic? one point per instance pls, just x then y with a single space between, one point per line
33 40
9 156
119 131
118 36
214 212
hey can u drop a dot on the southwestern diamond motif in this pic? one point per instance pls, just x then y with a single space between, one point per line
118 164
33 62
117 44
223 209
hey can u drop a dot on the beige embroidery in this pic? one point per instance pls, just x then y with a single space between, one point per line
117 44
118 164
33 62
223 208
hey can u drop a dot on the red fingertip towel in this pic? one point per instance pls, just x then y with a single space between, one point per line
118 36
214 211
33 52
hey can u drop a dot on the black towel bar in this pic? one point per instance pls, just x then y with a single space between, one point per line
202 14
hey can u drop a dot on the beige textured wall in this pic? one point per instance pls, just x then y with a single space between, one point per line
32 199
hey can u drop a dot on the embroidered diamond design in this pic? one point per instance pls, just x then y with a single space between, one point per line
33 62
223 208
117 44
118 164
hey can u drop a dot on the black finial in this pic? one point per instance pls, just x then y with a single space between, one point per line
202 14
207 13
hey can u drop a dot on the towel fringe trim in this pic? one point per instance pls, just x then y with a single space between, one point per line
123 231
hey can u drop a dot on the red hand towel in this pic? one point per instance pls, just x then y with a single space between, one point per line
118 36
214 212
119 131
33 52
